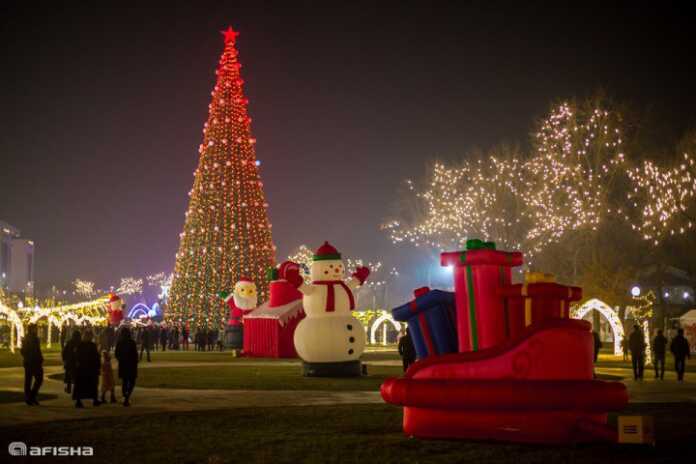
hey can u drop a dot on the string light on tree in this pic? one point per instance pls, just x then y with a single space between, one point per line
130 286
664 197
84 288
226 234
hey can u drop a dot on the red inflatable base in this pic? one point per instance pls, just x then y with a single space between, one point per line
527 411
536 388
548 427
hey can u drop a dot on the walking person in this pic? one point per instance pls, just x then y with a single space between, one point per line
69 355
163 338
681 350
174 339
88 366
107 378
636 343
659 347
406 350
63 337
127 355
33 365
185 338
624 347
597 345
146 343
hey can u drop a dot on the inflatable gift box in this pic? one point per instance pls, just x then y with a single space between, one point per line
479 272
538 299
431 319
269 329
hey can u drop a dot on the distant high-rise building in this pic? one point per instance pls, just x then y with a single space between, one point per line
16 261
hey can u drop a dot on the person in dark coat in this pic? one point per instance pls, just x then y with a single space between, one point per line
659 347
174 339
624 347
127 355
163 338
597 345
87 369
63 337
406 350
636 344
146 343
681 350
185 338
33 365
69 360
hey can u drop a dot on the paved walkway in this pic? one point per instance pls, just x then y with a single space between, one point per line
158 400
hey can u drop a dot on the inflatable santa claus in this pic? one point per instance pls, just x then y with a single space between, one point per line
242 300
329 340
115 310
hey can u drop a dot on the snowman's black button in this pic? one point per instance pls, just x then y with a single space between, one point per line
351 339
350 351
349 327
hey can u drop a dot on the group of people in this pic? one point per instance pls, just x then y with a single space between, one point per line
84 366
209 339
636 346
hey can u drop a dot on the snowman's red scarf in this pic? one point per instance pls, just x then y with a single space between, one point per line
331 296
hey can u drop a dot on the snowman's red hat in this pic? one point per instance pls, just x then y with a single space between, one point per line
245 279
326 252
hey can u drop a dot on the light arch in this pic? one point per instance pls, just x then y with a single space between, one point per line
15 326
610 315
385 318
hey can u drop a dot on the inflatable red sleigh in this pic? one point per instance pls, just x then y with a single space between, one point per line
524 372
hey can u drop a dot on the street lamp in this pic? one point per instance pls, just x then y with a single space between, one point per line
635 291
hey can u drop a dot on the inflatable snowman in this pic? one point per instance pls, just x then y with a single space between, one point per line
329 340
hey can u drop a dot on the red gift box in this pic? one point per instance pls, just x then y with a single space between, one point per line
478 274
539 298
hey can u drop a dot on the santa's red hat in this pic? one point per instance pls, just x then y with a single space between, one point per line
326 252
113 298
245 279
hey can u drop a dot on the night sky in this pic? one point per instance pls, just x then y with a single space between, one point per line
103 109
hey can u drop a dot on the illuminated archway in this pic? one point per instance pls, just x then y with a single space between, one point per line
608 313
385 318
16 327
51 320
138 311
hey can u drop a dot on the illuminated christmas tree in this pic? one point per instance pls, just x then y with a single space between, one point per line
227 234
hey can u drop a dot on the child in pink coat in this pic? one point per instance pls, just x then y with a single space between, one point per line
107 375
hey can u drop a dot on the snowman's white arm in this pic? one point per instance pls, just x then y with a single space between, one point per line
306 289
353 283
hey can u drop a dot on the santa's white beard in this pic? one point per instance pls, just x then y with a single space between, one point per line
244 302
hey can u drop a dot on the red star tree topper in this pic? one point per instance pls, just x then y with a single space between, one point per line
226 233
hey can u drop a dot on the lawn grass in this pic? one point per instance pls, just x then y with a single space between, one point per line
268 377
329 434
52 357
7 396
617 362
226 356
9 359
